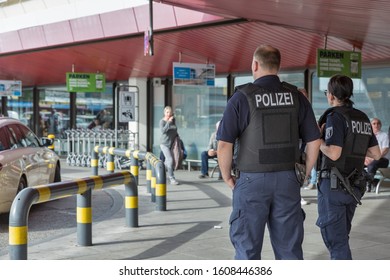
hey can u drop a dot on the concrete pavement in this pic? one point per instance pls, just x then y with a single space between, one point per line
195 226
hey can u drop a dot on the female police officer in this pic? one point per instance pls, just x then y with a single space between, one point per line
346 139
268 119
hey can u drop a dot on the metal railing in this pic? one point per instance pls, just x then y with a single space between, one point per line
18 228
155 170
80 143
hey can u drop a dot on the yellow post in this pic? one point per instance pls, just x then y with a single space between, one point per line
51 136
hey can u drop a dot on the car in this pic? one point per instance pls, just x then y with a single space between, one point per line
13 114
25 161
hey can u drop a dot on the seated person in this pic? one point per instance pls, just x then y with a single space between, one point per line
210 153
383 142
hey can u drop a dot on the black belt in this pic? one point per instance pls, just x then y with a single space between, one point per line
325 174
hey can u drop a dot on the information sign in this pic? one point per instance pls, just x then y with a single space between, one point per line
190 74
85 82
126 106
331 62
10 88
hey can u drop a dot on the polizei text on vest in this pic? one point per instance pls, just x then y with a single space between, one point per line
359 127
274 99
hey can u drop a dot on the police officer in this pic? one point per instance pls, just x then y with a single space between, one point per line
268 118
346 139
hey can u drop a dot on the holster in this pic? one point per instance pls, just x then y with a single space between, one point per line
334 181
358 181
236 173
361 181
300 172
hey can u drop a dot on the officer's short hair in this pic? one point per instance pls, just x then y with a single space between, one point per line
268 57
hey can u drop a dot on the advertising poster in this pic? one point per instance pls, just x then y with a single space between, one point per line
193 74
10 88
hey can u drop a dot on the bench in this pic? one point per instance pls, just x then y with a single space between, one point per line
384 174
212 162
189 161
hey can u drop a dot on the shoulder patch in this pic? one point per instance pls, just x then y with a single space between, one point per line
329 132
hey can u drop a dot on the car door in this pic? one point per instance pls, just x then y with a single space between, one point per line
9 172
30 156
43 156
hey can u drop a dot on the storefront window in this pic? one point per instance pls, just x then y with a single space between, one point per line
371 94
54 109
95 105
297 79
20 107
197 109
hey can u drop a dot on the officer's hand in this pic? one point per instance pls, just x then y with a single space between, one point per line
231 182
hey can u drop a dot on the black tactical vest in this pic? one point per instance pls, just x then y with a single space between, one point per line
356 142
271 140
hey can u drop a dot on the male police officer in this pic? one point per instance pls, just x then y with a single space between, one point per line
268 118
347 138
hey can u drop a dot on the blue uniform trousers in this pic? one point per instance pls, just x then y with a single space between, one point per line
271 199
336 209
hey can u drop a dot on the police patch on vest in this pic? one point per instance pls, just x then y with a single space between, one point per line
329 132
274 99
359 127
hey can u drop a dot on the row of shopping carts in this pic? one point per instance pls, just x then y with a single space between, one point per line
80 144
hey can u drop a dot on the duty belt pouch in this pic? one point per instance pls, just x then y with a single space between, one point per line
236 173
300 172
334 181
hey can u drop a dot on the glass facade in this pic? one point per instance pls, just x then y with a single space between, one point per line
371 94
21 107
54 109
197 109
295 78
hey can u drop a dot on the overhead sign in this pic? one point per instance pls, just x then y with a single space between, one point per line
85 82
190 74
10 88
127 106
331 62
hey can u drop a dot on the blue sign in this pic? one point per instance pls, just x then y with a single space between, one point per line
10 88
192 74
182 73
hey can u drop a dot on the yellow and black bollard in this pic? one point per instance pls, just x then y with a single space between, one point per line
51 136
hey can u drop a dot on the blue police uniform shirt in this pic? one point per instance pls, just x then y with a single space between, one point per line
236 115
336 129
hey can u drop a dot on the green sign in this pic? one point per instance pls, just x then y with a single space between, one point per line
85 82
331 62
